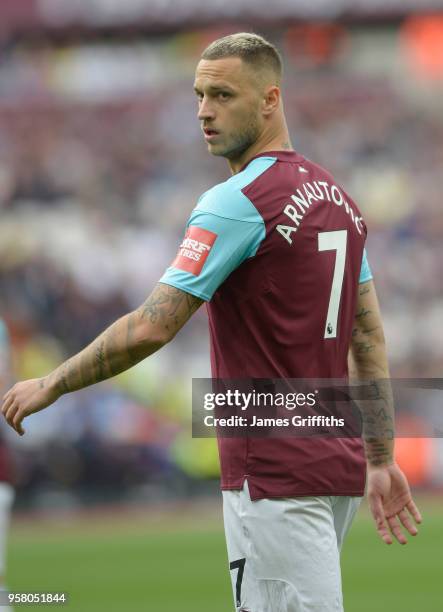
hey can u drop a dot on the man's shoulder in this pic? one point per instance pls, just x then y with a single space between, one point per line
228 200
318 170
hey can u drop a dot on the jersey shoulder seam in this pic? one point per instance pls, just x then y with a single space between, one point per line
209 212
231 181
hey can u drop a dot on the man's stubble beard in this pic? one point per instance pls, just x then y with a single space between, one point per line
241 141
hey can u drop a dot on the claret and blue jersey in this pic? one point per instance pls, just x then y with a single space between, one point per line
277 251
239 226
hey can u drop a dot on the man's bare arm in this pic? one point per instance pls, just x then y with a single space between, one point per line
126 342
368 361
388 491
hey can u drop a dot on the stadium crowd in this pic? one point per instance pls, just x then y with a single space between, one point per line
96 183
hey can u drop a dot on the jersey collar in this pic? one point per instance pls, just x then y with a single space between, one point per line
285 156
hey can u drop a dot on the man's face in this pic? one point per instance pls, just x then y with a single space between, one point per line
229 105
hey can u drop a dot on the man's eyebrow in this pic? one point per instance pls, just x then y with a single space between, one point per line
214 88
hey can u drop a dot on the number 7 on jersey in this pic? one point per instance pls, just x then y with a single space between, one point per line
334 241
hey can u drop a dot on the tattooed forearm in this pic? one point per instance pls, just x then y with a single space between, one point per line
363 313
377 413
362 347
62 385
100 360
368 364
64 376
364 341
371 330
127 341
378 453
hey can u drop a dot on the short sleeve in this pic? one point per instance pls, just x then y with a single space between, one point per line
224 230
365 272
213 247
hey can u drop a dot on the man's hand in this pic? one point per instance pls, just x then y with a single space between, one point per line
25 398
391 503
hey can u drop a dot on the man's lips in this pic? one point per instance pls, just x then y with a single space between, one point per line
210 133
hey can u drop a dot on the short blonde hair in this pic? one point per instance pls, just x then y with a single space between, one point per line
251 48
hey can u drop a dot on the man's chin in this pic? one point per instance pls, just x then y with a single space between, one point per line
220 150
216 150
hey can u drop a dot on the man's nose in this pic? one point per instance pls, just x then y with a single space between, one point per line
205 110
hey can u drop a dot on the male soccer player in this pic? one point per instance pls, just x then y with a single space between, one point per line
277 252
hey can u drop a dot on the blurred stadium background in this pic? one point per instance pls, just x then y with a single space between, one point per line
101 162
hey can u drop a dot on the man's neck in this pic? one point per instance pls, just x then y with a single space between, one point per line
281 143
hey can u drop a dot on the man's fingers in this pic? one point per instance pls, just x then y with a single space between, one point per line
395 528
9 399
414 511
6 395
10 413
407 523
376 507
13 415
17 423
383 532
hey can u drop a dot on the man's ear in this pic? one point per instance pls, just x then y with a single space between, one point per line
271 100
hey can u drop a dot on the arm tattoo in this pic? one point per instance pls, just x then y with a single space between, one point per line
363 347
370 368
130 337
361 341
167 305
378 421
129 340
66 374
375 402
371 330
62 383
100 360
363 313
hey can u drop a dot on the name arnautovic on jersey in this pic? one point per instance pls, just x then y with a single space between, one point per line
317 191
296 421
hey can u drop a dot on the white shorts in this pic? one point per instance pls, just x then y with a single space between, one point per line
284 554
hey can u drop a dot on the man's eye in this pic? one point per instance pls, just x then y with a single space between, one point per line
224 95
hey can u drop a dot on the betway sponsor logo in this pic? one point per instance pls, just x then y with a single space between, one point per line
305 196
194 250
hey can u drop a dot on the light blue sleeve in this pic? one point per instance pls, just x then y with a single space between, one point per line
226 212
365 272
236 241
